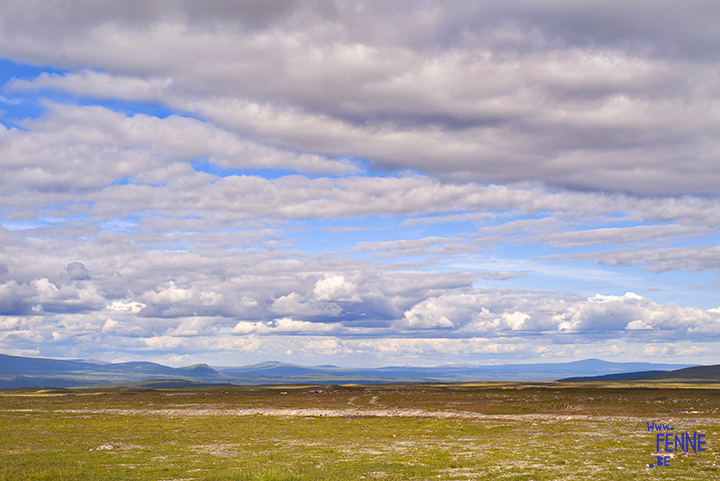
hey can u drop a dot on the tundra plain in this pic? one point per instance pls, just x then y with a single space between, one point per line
468 431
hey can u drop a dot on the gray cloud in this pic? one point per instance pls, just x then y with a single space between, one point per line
61 17
128 164
691 258
611 97
77 271
428 246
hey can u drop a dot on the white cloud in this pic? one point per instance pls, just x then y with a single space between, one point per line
110 147
50 297
638 325
170 294
282 325
426 315
335 288
437 146
94 84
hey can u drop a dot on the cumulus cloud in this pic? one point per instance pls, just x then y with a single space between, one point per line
15 298
490 313
130 306
335 288
415 180
52 298
77 271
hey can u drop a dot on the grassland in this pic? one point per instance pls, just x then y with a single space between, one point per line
513 431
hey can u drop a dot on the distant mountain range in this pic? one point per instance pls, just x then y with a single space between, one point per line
18 371
700 373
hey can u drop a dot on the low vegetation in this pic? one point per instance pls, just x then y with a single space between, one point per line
513 431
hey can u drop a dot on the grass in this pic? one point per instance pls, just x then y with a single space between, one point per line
506 431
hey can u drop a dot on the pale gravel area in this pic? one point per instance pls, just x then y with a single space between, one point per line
386 413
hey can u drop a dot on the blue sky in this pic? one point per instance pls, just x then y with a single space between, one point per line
354 183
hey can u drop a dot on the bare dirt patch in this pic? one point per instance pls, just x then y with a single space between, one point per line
368 413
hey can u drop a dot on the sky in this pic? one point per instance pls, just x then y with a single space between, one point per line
360 183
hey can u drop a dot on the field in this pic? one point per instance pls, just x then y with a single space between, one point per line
509 431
